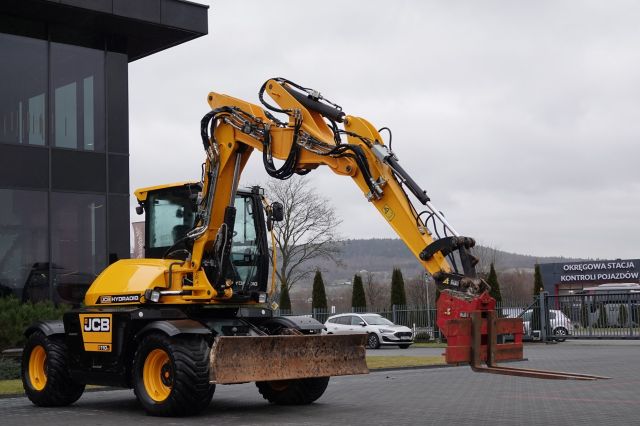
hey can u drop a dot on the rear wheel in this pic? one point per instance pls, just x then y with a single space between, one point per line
45 372
171 375
293 392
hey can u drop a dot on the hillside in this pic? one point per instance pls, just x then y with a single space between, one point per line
382 255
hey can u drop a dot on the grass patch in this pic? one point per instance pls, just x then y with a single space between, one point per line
14 387
429 345
375 362
11 387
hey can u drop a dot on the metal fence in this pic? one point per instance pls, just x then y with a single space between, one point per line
545 317
600 316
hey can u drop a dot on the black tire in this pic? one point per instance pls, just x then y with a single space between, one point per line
57 389
373 342
559 332
293 392
405 346
187 375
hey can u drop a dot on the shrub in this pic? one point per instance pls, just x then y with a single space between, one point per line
584 314
622 316
422 337
603 320
15 317
9 369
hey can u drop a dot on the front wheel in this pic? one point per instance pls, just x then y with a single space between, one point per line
293 392
373 342
45 372
561 334
171 375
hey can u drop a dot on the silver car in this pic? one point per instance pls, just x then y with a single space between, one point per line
380 331
561 325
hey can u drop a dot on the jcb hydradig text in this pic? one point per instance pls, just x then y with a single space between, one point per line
194 313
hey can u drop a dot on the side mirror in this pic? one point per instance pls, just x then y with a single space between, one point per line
139 209
277 211
274 214
362 323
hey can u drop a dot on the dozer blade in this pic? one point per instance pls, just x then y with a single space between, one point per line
238 359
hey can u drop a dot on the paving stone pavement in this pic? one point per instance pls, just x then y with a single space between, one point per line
453 396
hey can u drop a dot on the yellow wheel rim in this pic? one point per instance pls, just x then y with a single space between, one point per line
37 368
157 375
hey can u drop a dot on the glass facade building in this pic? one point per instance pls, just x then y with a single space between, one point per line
64 148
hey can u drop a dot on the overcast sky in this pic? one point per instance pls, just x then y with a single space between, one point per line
521 119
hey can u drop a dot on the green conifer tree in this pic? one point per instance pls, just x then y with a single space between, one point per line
358 299
285 302
319 296
398 296
492 280
538 288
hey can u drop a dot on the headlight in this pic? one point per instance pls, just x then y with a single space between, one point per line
151 295
385 330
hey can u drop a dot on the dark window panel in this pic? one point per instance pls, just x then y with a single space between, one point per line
24 253
23 87
119 174
146 10
78 243
117 103
24 167
184 15
77 88
119 228
78 171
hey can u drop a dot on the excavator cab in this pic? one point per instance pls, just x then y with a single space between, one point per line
170 213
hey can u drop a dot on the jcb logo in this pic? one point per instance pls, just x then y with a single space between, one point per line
97 324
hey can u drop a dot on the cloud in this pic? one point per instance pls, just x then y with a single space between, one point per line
521 119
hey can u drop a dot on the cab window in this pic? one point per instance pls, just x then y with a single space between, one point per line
170 217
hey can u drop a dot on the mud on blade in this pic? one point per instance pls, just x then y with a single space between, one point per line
254 359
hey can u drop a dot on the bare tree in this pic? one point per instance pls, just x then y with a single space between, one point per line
420 291
376 292
516 285
308 231
486 256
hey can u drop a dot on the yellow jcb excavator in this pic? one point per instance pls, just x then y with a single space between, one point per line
195 312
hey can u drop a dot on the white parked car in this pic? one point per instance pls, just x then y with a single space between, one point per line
561 325
380 330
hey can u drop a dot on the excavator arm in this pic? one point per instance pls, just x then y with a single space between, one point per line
311 138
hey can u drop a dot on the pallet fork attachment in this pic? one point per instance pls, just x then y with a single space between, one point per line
472 328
